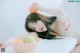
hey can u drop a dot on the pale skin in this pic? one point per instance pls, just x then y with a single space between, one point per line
38 26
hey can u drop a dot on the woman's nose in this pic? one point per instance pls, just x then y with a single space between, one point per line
38 28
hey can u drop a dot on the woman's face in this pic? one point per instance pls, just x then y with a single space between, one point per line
39 26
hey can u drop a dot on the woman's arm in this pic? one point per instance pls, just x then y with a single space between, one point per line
51 11
60 13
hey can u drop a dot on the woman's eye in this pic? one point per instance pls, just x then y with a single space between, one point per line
33 28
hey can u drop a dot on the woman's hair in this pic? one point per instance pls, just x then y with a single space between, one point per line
34 17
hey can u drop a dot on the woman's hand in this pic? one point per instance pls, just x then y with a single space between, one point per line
34 34
34 8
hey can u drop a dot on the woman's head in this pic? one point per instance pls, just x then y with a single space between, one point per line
34 23
40 25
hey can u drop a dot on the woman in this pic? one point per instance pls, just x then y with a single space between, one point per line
45 26
49 27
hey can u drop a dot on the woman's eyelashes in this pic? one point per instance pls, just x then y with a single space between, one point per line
33 28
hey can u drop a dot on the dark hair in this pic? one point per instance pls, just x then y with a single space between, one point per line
34 17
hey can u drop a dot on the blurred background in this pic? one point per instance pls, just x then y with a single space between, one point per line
14 12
